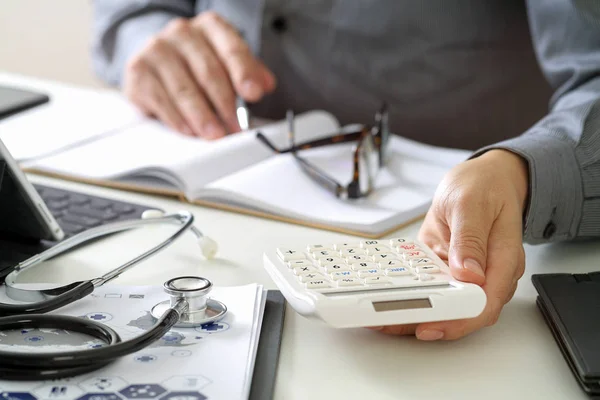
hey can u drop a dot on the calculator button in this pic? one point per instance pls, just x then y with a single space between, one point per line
413 254
398 271
377 280
317 284
430 269
341 246
415 262
357 257
377 250
299 263
426 277
384 257
370 243
310 276
349 282
407 247
363 273
351 251
399 241
335 267
342 274
304 269
289 254
330 261
317 247
357 266
390 264
324 254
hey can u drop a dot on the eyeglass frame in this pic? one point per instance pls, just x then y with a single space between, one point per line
378 133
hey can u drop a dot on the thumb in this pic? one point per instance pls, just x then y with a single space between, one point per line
467 253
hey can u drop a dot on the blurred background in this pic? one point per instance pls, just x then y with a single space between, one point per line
47 39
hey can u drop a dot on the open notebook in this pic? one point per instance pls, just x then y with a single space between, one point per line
95 136
239 173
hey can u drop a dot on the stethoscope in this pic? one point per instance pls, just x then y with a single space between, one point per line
188 306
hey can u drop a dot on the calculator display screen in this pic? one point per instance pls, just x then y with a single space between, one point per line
394 305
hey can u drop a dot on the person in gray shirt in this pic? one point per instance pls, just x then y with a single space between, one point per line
516 81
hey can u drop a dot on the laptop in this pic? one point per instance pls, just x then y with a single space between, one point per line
34 218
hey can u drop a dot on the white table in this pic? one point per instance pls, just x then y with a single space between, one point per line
515 359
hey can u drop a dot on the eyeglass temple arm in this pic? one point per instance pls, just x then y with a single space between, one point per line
321 177
341 138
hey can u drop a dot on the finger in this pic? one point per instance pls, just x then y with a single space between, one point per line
207 70
470 222
183 90
435 234
505 266
144 89
399 330
250 77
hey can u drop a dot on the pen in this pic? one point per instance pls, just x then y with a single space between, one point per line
243 115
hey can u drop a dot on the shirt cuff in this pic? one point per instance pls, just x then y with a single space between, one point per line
555 203
127 39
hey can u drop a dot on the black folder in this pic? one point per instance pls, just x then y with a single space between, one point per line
267 357
570 304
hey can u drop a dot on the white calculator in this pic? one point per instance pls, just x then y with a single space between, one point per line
372 283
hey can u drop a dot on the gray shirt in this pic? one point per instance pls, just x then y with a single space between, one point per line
472 74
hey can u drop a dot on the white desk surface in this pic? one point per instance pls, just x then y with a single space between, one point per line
515 359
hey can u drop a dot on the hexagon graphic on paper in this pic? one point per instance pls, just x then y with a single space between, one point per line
57 391
17 396
100 384
186 383
149 391
100 396
184 396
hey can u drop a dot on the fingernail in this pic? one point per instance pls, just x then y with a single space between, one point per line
251 89
473 266
212 131
430 334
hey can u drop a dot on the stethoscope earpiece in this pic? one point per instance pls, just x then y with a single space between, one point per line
148 214
208 246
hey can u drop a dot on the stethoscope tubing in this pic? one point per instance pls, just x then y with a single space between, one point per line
35 366
85 288
75 293
32 315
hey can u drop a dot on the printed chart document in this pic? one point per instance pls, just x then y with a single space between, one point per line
239 173
214 361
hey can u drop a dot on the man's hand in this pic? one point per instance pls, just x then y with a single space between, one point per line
475 224
189 74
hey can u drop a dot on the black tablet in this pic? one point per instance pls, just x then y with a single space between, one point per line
570 304
23 213
14 100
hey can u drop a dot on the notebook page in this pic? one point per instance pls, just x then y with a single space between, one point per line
187 163
72 116
404 188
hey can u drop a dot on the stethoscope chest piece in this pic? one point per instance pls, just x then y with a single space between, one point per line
200 308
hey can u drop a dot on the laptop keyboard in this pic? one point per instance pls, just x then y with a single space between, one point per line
76 212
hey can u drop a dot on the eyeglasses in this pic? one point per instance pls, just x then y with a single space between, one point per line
369 155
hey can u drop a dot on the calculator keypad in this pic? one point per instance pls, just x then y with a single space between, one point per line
369 264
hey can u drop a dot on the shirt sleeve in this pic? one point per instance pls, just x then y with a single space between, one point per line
121 28
563 148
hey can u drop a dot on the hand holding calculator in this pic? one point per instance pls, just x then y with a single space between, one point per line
372 283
